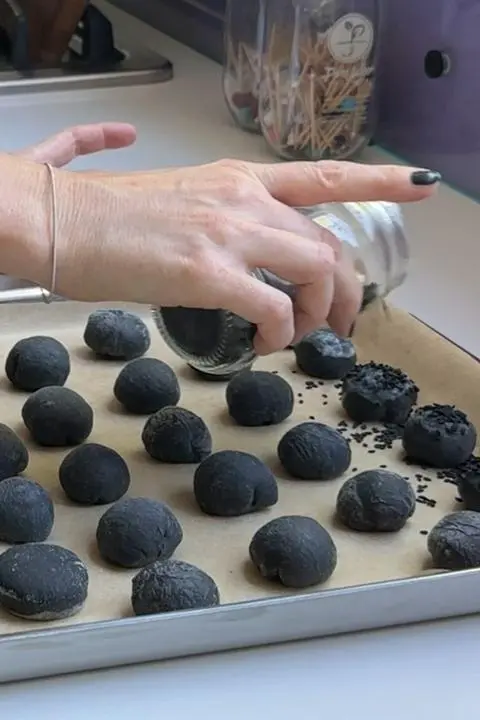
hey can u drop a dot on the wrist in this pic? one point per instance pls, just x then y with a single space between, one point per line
25 221
31 225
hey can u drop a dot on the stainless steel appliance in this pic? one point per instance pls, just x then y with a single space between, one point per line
85 51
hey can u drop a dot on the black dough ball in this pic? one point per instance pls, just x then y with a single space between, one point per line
175 435
57 417
13 453
454 542
146 385
469 489
93 474
439 435
295 550
230 483
376 501
42 582
37 362
378 393
258 398
137 531
26 511
313 451
171 585
116 334
324 354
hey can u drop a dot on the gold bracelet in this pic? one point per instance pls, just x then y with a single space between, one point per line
47 295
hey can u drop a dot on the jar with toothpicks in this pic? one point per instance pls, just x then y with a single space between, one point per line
243 39
316 98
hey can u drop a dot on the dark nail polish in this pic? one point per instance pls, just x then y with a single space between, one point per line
352 330
425 177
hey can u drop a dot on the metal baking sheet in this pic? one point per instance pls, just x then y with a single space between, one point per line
379 581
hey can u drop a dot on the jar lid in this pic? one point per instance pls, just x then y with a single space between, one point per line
215 342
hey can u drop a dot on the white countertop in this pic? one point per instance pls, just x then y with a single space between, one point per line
419 671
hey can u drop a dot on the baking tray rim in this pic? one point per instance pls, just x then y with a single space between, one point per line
268 621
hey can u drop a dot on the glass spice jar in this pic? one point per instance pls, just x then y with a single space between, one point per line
243 40
316 97
219 343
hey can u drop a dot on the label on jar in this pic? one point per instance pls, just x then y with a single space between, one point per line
350 39
337 227
362 213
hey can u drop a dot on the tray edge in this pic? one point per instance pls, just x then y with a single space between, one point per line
115 643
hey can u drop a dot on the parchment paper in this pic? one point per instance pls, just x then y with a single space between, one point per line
220 546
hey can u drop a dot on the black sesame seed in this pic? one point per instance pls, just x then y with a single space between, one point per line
423 500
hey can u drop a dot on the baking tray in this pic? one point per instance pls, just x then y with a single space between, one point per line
380 581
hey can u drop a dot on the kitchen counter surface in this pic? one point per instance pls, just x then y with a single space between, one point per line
423 670
185 122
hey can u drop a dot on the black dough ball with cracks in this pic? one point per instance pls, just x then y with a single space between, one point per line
324 354
314 451
36 362
294 550
14 455
376 501
94 474
115 334
26 511
378 393
42 582
146 385
138 531
176 435
439 436
454 542
256 398
172 585
230 483
57 417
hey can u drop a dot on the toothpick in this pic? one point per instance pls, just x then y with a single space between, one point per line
303 123
313 133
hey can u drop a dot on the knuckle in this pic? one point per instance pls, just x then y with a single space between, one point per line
327 239
233 187
279 308
321 260
330 175
217 226
226 164
234 183
196 266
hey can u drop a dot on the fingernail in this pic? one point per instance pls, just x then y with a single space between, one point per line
352 330
425 177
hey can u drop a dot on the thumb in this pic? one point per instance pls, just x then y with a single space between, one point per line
309 183
65 146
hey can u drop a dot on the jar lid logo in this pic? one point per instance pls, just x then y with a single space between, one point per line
350 39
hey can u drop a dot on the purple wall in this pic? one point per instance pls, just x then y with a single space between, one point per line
433 123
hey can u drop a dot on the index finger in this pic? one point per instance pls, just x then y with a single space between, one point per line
309 183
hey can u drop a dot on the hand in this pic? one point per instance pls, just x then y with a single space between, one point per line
60 149
192 236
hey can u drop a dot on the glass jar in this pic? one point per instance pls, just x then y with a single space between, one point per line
243 40
316 98
219 343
